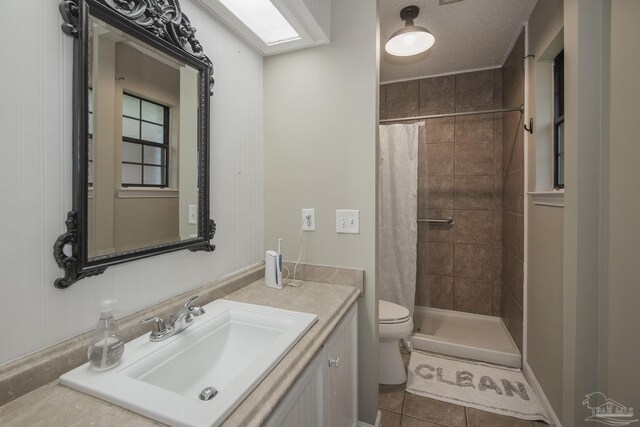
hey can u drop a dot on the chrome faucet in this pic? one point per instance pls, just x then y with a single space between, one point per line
176 323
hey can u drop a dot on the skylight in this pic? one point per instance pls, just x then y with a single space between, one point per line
264 19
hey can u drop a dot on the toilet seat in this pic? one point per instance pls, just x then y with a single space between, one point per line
390 313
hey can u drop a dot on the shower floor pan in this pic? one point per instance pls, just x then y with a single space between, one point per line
466 335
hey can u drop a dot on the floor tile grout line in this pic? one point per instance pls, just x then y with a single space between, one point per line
404 403
420 419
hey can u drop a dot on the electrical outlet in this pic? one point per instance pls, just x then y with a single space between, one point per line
193 214
309 219
348 221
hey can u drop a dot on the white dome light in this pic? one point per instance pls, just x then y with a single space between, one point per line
410 40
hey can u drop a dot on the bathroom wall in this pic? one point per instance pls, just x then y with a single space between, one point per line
582 286
620 294
142 220
545 223
513 193
320 152
459 175
588 261
35 182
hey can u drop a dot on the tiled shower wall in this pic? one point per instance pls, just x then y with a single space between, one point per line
513 194
459 175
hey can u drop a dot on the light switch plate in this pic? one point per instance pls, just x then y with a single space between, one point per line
193 213
309 224
348 221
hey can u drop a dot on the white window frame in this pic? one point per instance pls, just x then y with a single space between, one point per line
545 194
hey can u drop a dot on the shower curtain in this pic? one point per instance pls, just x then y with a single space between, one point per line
397 213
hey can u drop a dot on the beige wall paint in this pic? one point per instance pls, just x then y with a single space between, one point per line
545 224
103 146
600 233
145 221
545 22
544 290
121 224
586 112
622 314
320 152
188 150
140 222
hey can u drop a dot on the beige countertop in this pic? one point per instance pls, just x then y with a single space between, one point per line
56 405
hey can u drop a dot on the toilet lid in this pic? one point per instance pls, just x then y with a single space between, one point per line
389 312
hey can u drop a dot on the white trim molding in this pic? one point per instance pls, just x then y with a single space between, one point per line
147 193
537 388
553 198
525 234
377 424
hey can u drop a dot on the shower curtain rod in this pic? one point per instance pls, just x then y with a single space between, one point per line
466 113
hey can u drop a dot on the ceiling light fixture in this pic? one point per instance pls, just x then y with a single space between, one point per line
410 40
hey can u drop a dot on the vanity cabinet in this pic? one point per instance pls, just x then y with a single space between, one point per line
326 394
341 373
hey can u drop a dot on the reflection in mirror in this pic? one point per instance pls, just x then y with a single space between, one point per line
142 145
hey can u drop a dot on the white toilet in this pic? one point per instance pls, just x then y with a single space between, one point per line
395 324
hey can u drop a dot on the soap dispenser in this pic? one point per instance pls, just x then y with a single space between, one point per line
107 346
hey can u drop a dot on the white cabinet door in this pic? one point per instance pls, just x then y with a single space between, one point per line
341 366
304 404
326 394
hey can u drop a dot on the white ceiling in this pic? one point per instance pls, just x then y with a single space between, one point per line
470 34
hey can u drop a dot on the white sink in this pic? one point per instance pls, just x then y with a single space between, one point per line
231 347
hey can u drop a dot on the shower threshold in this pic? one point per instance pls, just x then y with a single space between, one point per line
466 335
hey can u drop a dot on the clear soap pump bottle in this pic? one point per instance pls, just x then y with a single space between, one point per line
107 346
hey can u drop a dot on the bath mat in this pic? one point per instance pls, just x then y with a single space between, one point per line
492 388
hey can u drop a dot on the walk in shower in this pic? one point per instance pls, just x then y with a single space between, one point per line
469 269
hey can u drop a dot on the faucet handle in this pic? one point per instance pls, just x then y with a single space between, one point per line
159 326
194 309
189 303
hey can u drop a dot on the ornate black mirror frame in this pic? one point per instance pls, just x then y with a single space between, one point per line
160 24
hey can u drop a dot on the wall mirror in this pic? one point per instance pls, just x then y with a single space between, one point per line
141 88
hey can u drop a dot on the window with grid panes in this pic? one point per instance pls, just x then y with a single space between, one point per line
90 166
558 121
145 143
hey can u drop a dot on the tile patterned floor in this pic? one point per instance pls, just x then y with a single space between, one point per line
402 409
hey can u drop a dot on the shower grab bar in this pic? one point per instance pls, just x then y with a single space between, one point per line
448 220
